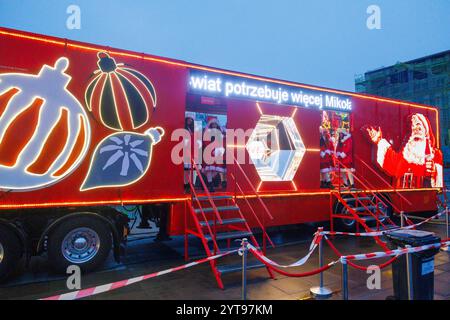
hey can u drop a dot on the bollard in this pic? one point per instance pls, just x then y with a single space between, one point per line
243 253
320 291
344 278
446 249
409 275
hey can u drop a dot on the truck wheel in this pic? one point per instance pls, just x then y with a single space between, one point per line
83 241
10 251
345 225
386 210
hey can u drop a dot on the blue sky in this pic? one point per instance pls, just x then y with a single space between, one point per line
321 42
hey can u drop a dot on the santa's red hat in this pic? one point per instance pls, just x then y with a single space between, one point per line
426 124
210 120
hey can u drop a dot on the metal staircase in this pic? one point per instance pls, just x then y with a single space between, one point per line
364 207
218 221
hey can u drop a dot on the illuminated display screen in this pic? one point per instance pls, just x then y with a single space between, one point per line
220 85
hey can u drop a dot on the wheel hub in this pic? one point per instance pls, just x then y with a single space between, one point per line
80 245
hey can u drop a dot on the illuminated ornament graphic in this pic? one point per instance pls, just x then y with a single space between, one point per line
44 130
120 97
121 159
276 148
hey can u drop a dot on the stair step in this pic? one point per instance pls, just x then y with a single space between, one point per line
370 218
225 208
224 222
362 209
229 235
357 198
229 268
204 198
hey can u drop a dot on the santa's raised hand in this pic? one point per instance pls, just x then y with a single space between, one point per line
374 134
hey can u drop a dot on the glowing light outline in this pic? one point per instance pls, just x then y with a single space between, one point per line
115 106
180 199
82 154
162 133
85 145
44 141
15 116
129 105
89 103
155 100
123 68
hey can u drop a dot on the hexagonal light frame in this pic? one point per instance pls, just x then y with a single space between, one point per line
276 148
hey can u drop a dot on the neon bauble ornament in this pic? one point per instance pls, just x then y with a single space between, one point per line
44 130
120 97
121 159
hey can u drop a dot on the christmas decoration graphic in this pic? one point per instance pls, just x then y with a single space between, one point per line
121 159
120 98
44 130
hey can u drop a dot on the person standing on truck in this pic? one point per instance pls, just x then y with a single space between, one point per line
214 153
326 159
419 163
190 145
344 153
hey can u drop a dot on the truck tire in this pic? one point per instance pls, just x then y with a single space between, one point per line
82 241
345 225
10 252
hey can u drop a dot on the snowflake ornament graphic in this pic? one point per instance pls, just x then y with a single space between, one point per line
122 99
121 159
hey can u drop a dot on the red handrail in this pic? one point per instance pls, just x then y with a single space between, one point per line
377 200
253 188
253 211
213 234
357 218
359 180
382 179
207 193
368 188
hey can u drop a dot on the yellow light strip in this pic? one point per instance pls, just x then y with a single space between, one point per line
179 199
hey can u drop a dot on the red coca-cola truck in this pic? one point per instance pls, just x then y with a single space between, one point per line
87 130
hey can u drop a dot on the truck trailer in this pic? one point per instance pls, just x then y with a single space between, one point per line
88 130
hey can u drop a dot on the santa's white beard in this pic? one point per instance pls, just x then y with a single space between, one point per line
414 150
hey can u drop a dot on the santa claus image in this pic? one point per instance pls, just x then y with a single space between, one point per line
418 163
344 155
326 158
214 153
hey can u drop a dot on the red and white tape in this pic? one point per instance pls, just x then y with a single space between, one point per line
314 243
396 252
380 233
123 283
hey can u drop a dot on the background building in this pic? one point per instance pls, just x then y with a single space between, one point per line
424 80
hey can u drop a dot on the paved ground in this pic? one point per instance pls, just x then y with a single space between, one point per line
145 256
